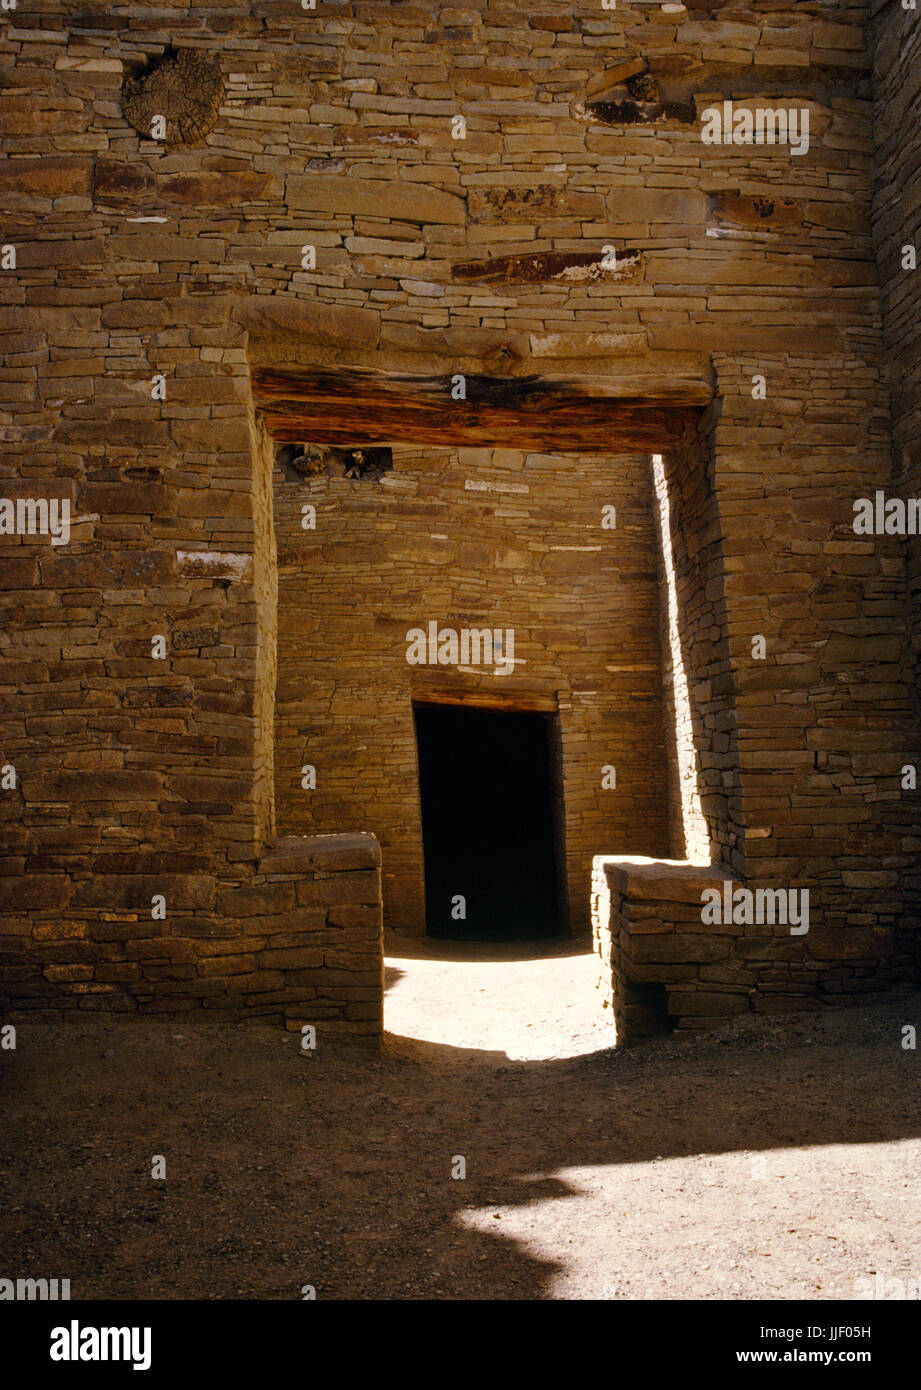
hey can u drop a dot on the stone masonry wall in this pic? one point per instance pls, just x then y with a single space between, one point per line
660 968
299 943
138 258
476 538
824 720
896 225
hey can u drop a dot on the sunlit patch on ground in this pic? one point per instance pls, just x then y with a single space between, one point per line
530 1001
813 1223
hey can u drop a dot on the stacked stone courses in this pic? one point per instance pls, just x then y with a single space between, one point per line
433 256
896 220
483 537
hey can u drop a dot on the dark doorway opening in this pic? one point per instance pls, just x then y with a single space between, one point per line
491 821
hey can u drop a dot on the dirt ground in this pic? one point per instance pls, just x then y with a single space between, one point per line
780 1158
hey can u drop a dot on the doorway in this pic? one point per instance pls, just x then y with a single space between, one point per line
491 823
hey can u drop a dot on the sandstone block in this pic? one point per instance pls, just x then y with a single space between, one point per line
407 202
48 177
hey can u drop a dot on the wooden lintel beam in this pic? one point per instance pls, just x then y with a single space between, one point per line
487 697
354 408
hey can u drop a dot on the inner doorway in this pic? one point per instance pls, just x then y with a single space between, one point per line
491 823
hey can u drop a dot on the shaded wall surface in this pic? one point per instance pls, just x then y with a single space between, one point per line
897 226
139 775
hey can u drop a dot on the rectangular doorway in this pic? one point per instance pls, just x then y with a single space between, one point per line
492 823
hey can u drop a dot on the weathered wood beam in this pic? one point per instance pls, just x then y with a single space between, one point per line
642 112
537 267
521 701
364 408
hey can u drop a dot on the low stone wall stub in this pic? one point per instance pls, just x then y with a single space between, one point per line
314 920
297 941
652 946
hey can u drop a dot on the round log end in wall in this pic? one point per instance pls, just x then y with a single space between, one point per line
184 89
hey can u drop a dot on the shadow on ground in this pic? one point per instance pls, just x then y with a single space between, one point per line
285 1169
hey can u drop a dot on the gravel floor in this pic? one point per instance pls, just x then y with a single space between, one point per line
780 1158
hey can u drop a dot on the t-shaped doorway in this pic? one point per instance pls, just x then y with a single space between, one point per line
491 823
